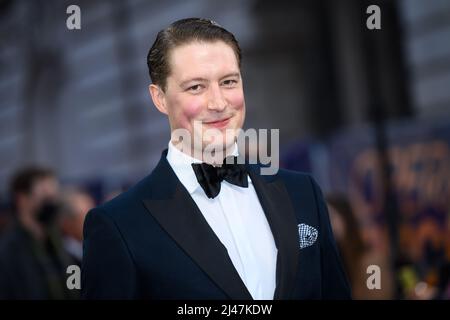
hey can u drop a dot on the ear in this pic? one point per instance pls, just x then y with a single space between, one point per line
158 98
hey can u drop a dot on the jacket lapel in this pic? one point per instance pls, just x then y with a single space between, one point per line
172 206
280 214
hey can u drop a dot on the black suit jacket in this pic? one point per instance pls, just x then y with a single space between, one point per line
153 242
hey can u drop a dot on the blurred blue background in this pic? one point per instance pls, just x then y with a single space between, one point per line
366 112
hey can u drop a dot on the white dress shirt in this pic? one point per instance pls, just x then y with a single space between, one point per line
238 220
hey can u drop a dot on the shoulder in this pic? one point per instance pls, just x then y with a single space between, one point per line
126 204
12 241
300 186
11 235
296 177
292 179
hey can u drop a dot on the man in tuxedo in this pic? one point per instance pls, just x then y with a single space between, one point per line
198 228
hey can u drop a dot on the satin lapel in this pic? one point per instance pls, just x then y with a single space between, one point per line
280 214
177 213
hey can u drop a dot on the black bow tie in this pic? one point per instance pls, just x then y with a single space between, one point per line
210 177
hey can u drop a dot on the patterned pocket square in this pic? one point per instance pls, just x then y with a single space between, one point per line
307 235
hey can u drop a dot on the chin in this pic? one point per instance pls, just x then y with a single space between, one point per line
218 145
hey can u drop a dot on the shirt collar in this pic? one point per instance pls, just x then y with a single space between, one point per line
181 165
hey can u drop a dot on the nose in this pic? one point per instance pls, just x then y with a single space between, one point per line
216 101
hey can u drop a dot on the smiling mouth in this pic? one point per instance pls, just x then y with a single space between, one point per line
219 123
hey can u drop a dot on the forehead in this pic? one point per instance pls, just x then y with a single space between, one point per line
202 59
46 185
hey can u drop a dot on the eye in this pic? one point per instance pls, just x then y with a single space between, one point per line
195 88
229 83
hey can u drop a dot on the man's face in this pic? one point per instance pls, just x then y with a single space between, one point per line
205 87
45 189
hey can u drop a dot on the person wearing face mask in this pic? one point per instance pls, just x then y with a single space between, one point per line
32 260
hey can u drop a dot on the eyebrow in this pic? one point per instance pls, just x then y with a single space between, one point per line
234 74
182 84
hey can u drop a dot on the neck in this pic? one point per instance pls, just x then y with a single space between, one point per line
204 156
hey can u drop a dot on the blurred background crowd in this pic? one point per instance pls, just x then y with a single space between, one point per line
366 112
